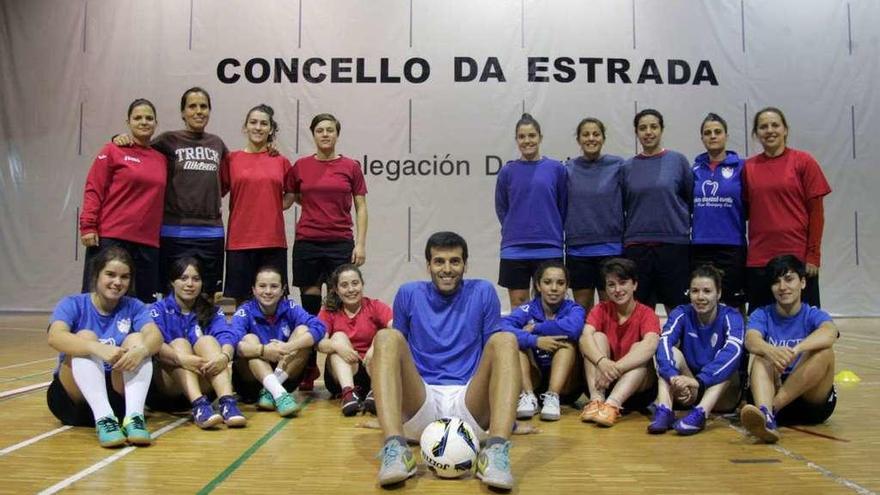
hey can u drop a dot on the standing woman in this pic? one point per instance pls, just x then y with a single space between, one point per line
198 347
531 196
785 188
257 201
197 178
122 202
352 322
595 192
105 339
658 198
718 237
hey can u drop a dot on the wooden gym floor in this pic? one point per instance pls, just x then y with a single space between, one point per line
322 452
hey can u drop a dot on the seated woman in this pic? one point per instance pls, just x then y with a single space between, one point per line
352 321
105 339
273 333
198 349
698 357
792 370
618 342
546 329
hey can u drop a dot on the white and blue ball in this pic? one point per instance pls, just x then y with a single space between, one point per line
449 447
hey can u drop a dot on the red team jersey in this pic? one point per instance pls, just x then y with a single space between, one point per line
124 194
777 191
256 217
642 321
327 188
373 316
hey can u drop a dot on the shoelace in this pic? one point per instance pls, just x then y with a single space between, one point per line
108 424
499 456
138 422
390 453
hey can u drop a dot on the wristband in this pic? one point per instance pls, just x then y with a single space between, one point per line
600 360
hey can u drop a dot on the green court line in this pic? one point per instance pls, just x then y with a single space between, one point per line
248 453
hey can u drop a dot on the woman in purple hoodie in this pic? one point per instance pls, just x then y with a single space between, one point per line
531 198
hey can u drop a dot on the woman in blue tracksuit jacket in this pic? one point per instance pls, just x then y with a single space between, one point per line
718 235
547 329
698 357
275 336
197 349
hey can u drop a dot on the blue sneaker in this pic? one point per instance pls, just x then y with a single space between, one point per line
760 422
286 405
662 420
204 415
232 415
109 432
266 402
135 427
493 466
398 463
691 424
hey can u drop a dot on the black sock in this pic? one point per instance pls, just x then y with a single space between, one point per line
311 303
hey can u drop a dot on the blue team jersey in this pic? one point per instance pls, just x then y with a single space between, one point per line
568 322
787 331
719 214
249 318
446 334
78 313
175 324
712 352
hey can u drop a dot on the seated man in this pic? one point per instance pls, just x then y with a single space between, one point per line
618 346
792 370
446 356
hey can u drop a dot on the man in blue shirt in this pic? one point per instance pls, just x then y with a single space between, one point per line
446 356
791 344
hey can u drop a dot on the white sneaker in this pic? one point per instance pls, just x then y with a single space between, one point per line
550 411
527 407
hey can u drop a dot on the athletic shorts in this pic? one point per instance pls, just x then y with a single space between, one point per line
209 251
362 381
314 261
759 293
146 267
242 266
517 274
663 271
442 401
732 261
585 272
79 413
802 412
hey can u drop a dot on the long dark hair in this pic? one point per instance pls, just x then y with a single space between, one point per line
112 253
202 306
332 301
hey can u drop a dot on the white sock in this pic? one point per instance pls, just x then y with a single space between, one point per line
88 373
281 375
137 383
273 385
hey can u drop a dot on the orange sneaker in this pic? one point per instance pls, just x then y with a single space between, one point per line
591 410
607 415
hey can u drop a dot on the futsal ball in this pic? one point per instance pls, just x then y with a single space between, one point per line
449 447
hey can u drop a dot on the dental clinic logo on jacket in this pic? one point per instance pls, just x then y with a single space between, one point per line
727 172
123 325
712 188
285 330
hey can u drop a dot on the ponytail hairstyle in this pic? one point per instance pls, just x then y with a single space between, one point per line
332 301
202 306
527 119
262 107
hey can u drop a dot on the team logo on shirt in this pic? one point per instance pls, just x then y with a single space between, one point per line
727 172
102 157
198 330
713 340
710 188
285 330
127 158
240 313
123 325
154 313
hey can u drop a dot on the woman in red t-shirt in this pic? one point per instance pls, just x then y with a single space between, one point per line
123 200
784 188
257 200
352 321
